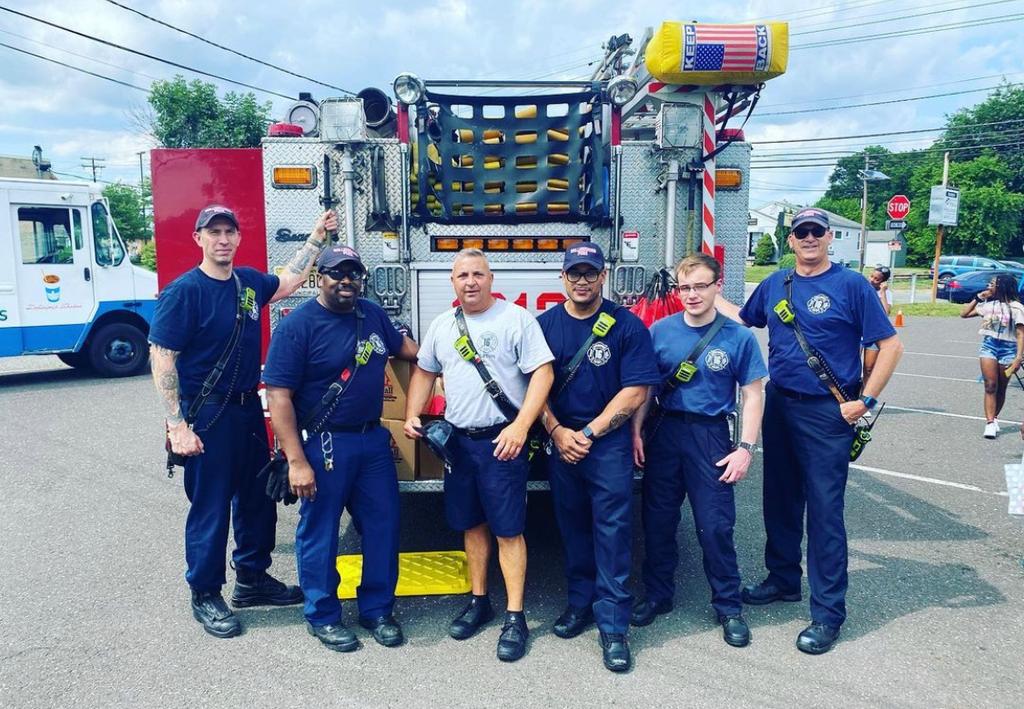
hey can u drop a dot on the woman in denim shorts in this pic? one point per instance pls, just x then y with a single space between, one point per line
1002 342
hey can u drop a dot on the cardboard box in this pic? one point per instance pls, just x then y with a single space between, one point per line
396 389
403 450
397 373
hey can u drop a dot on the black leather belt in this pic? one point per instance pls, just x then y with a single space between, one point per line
799 395
477 434
690 417
354 428
239 398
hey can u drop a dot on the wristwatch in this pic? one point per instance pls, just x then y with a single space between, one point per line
588 432
869 401
748 447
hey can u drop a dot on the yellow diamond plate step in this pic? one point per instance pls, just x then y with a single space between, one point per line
421 573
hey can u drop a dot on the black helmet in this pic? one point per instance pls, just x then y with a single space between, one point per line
437 434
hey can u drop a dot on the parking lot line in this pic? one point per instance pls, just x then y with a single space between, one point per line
936 354
932 376
923 479
945 413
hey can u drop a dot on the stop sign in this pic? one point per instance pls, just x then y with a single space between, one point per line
898 207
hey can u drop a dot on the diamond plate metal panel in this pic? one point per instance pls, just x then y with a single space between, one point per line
732 210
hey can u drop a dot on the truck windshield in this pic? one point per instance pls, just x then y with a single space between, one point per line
109 251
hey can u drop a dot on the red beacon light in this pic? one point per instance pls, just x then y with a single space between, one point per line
285 130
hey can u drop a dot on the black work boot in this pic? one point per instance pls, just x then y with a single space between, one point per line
217 619
261 589
385 630
615 651
334 636
767 592
735 630
644 612
573 621
512 641
477 613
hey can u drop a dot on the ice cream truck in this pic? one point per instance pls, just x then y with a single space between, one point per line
67 286
647 167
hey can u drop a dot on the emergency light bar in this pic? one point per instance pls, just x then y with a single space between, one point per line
531 243
294 177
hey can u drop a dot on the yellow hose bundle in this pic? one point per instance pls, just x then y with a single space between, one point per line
707 54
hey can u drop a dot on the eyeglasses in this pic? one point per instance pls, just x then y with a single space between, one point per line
695 288
590 276
817 231
341 274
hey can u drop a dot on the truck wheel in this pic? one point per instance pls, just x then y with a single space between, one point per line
118 350
74 359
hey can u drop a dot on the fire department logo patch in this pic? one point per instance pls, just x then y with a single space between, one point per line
378 344
818 304
716 360
488 343
599 354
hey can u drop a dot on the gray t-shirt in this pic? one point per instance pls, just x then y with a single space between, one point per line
510 343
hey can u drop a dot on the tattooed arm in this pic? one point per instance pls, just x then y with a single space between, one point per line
165 375
619 410
297 270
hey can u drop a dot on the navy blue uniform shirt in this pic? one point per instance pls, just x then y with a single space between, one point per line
622 358
732 357
312 345
836 309
195 315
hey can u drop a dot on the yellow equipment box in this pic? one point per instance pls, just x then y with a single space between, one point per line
708 55
423 573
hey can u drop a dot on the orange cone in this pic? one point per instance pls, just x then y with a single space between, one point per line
899 318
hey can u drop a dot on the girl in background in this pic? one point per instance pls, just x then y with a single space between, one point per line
1002 342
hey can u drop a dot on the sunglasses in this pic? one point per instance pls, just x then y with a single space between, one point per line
341 274
817 231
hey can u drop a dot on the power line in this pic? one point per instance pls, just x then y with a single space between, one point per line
970 24
862 147
891 91
80 56
228 49
895 19
84 71
144 54
876 135
889 159
884 13
883 103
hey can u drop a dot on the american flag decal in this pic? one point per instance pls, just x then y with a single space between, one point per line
726 48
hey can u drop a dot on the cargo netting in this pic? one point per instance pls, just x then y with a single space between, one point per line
486 160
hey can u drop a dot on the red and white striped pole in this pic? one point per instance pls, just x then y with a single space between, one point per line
707 244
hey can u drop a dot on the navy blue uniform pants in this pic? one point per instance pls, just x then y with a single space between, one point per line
806 462
364 480
592 505
222 488
680 462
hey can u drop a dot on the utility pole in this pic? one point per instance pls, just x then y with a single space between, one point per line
864 212
939 233
142 174
142 180
90 163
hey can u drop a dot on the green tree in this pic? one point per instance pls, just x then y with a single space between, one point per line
148 256
127 207
994 127
190 115
848 207
764 252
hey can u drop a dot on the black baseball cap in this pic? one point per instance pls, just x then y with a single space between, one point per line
211 212
811 215
335 255
585 252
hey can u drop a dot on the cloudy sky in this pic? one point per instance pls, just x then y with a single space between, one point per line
842 54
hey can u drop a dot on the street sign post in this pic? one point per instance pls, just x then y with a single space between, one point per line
895 224
944 206
898 207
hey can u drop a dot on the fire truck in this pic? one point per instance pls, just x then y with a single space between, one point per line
649 170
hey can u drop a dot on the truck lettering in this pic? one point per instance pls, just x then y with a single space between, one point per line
285 234
3 315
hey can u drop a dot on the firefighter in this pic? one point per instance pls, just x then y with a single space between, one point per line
210 313
604 366
689 453
807 433
485 485
339 337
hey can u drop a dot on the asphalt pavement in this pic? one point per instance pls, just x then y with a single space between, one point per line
94 610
